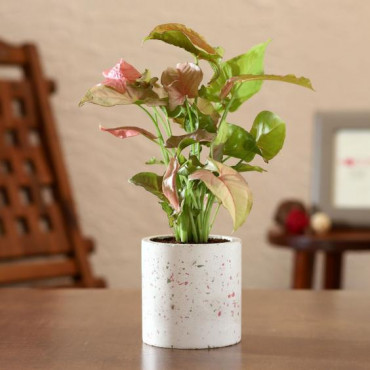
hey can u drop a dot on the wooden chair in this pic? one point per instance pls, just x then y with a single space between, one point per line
40 238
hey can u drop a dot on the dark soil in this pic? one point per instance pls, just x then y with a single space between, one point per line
172 240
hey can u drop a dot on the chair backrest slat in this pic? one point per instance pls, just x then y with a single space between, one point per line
37 212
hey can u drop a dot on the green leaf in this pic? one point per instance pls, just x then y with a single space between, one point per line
190 166
154 160
244 167
207 123
234 141
231 190
151 182
206 115
269 132
179 35
184 144
301 81
206 108
169 211
249 63
199 119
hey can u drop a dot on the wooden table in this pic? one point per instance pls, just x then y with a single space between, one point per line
100 329
333 244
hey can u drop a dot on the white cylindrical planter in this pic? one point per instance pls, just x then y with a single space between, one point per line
191 293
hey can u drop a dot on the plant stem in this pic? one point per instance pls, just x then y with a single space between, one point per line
226 111
194 228
163 122
196 220
191 124
195 148
167 119
164 151
215 215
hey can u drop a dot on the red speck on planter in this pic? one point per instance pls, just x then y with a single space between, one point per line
219 313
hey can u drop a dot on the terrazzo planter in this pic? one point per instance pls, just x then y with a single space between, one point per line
191 293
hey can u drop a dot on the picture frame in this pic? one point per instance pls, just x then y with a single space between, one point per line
341 167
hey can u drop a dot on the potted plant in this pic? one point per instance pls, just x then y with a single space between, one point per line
191 280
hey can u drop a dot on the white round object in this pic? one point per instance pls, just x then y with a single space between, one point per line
320 222
191 294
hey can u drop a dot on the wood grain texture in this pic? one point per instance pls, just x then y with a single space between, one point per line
101 329
304 264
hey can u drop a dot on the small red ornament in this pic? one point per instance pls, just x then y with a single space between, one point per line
296 221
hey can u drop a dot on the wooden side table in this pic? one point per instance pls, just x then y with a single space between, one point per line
333 244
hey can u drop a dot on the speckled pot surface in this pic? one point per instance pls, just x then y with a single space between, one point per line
191 294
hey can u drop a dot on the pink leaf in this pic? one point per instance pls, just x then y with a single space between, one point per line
190 76
128 131
181 82
121 74
227 88
169 184
230 188
200 135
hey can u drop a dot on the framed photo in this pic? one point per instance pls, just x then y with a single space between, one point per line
341 168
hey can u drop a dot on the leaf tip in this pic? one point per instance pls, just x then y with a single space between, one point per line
82 102
145 39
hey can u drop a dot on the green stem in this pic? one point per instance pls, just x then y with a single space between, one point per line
192 128
201 218
195 148
223 119
194 228
226 111
163 109
163 122
189 114
214 216
164 151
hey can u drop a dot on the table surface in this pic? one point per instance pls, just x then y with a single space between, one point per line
337 240
101 329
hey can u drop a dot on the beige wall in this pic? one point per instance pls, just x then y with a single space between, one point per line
327 41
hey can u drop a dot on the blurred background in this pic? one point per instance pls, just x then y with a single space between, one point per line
326 41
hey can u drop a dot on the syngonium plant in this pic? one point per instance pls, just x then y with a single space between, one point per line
202 168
